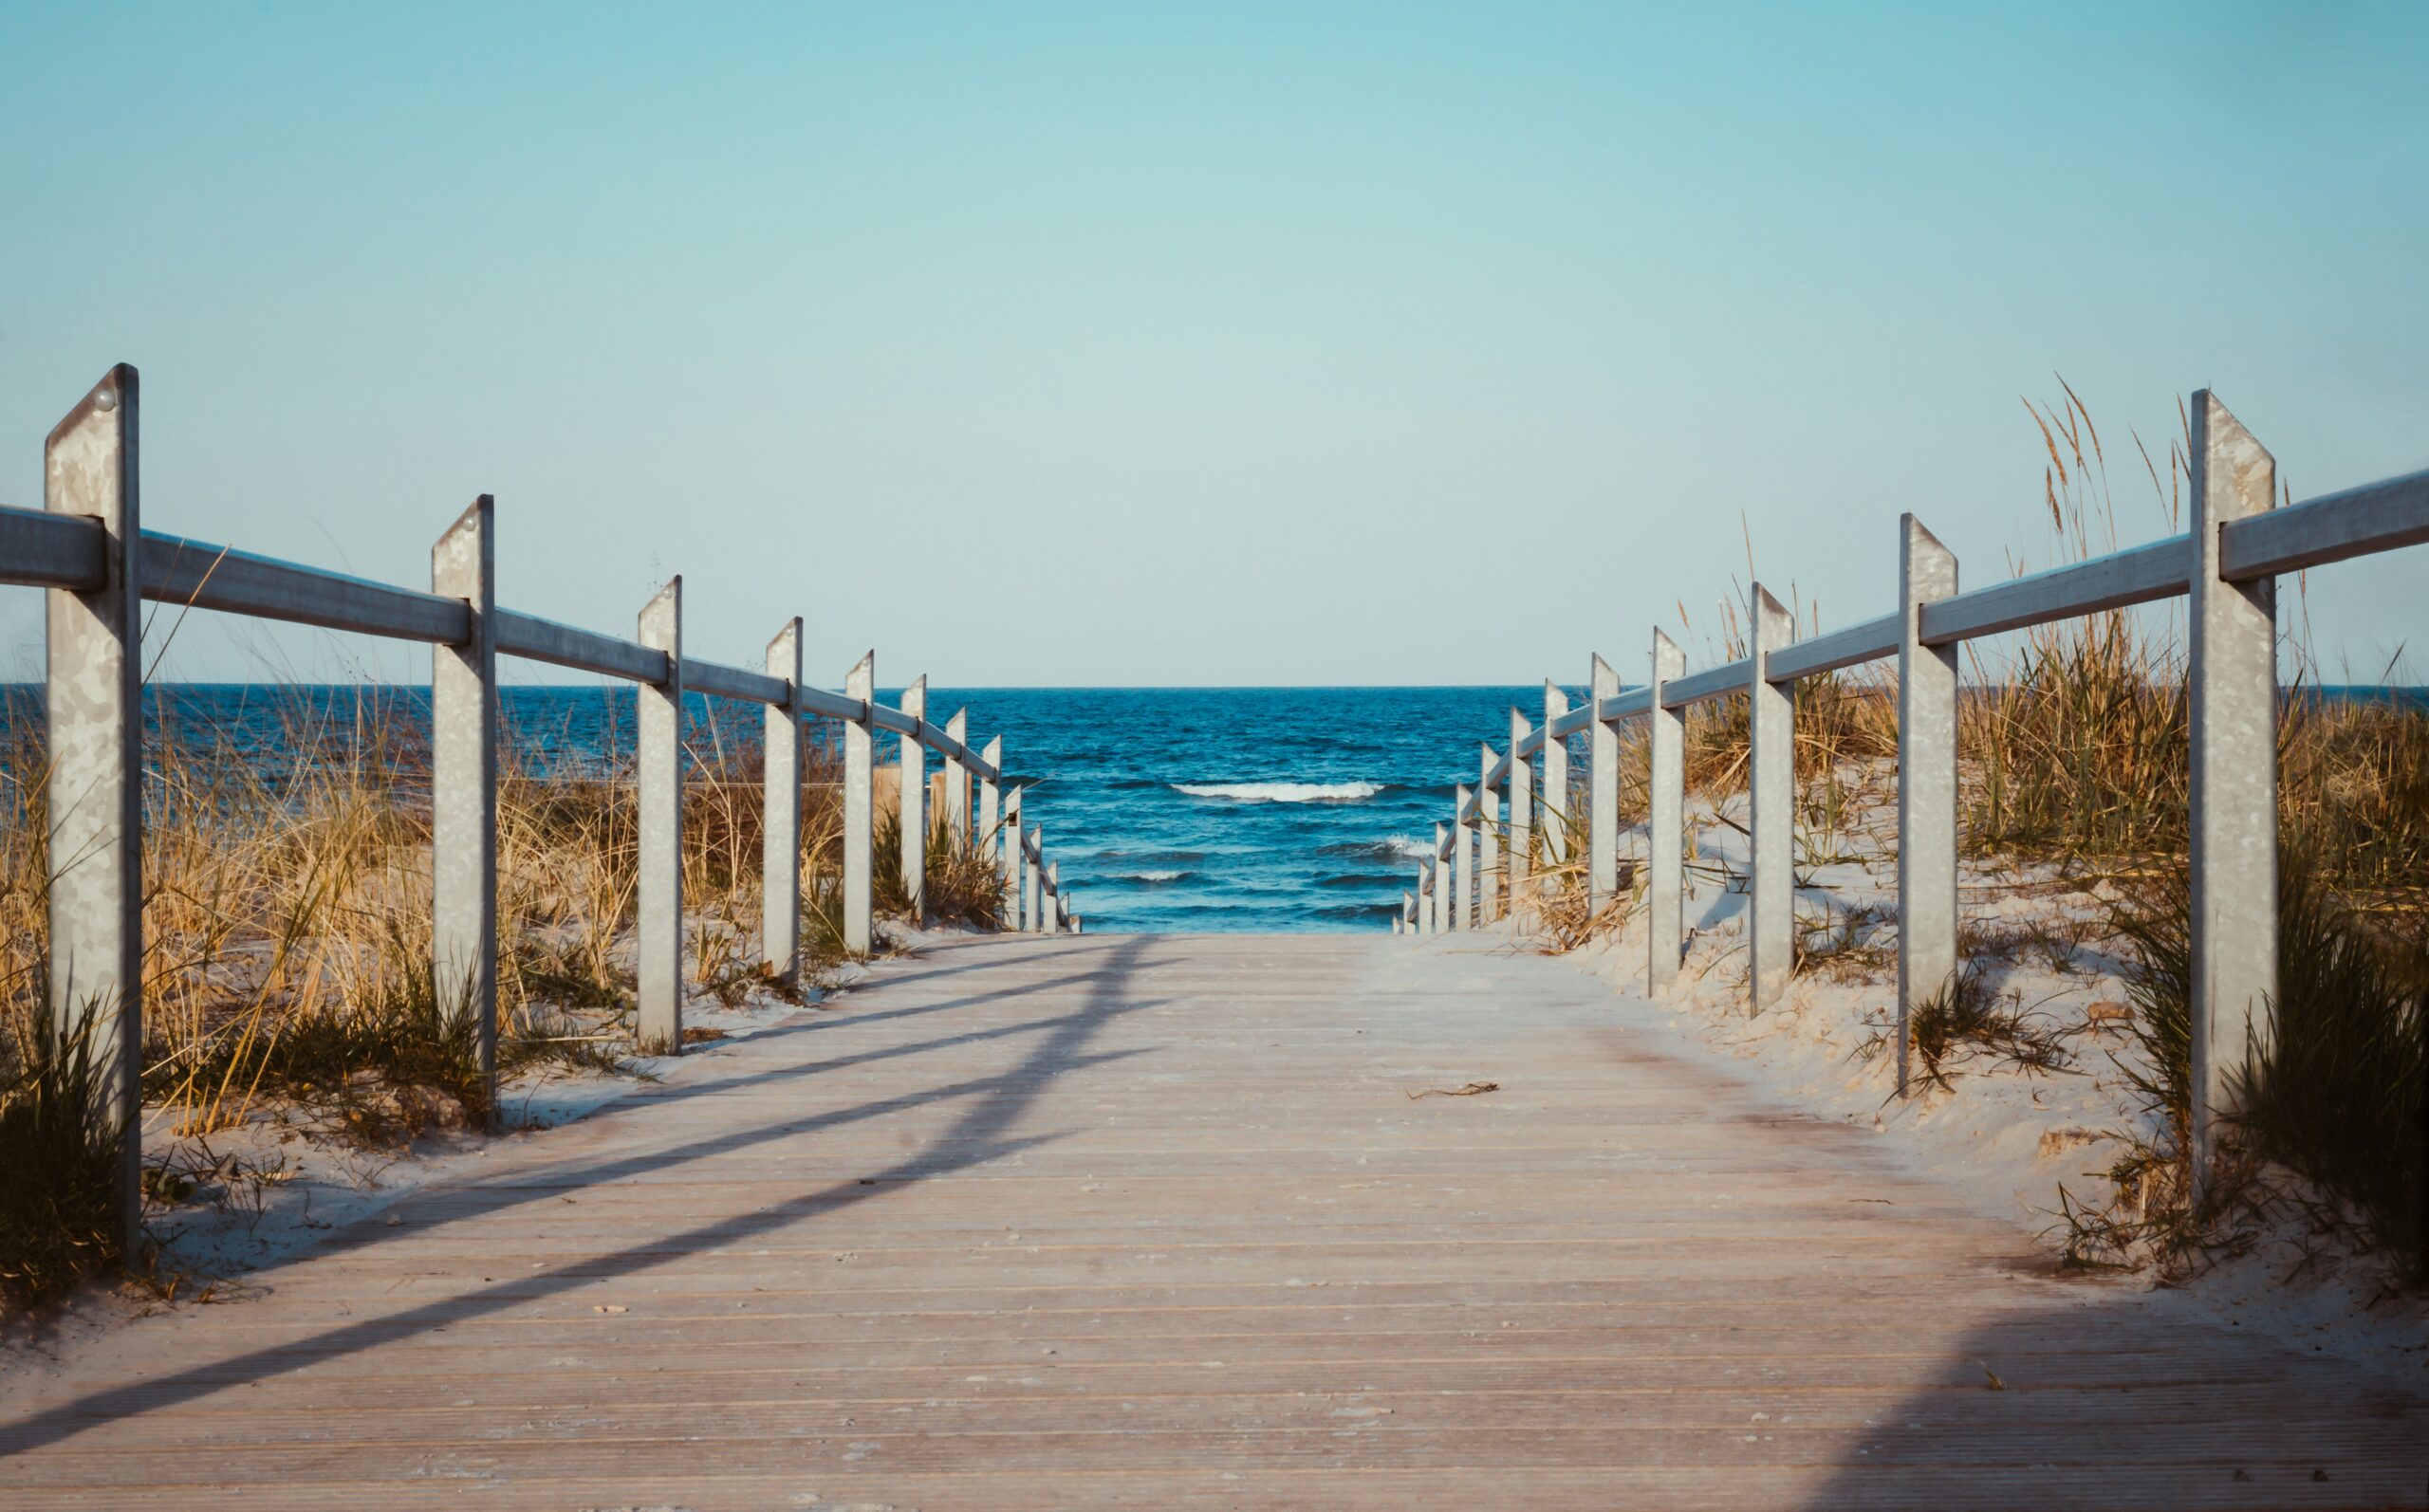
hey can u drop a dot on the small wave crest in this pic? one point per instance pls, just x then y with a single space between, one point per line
1150 878
1399 847
1282 792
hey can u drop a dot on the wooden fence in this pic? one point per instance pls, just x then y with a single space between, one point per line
88 547
2228 565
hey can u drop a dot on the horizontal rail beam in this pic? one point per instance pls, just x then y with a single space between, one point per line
1850 647
46 551
2136 575
537 639
952 749
176 570
2380 516
852 711
1730 678
1627 706
1569 723
41 549
734 682
818 701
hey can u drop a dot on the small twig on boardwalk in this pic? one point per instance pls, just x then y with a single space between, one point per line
1468 1090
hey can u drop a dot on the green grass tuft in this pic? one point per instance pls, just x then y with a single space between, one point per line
58 1220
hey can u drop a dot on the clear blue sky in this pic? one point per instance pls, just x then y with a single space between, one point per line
1199 343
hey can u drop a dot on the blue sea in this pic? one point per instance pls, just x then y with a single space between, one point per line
1169 809
1240 808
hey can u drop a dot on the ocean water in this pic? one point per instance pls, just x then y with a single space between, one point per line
1168 809
1240 808
1171 809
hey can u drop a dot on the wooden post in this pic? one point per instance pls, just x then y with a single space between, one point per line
93 693
1555 798
1521 806
1771 799
1007 845
860 810
779 831
1488 843
991 816
657 967
1602 791
2233 690
1926 786
957 783
1421 902
1442 879
1665 927
1463 879
1032 881
463 789
912 804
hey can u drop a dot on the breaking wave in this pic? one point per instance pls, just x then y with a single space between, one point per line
1282 792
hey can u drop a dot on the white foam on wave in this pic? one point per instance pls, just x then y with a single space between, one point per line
1282 792
1151 877
1408 846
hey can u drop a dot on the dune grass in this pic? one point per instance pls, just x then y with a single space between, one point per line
59 1223
2074 758
2341 1095
2335 1093
2079 757
288 934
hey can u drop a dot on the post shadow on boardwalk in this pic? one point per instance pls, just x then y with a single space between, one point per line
2146 1412
530 1184
982 1132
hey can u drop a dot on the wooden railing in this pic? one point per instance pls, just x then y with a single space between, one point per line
2228 563
88 547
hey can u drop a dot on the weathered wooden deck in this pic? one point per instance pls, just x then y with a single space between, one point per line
1152 1222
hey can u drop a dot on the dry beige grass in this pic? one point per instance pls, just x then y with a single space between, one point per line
287 920
2074 756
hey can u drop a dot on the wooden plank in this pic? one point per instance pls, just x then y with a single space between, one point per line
708 1487
1100 1220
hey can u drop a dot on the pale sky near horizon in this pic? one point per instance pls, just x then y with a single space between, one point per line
1127 344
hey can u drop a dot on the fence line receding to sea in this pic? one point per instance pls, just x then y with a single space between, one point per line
2227 564
88 548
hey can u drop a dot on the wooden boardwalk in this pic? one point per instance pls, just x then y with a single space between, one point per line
1152 1222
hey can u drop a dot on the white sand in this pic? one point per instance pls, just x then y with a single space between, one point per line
2003 1138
